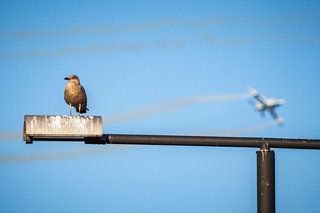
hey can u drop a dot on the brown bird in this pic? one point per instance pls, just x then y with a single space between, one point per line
75 95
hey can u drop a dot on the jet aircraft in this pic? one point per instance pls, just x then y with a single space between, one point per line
269 104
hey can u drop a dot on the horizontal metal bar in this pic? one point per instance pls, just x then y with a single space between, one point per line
191 141
212 141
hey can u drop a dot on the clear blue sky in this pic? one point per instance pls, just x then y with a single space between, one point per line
134 54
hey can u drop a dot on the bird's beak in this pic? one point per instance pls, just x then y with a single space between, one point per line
66 78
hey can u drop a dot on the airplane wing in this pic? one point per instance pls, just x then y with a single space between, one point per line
255 94
273 113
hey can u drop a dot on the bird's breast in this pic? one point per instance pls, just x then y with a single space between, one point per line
74 94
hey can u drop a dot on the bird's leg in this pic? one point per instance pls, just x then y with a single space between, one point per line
79 108
70 109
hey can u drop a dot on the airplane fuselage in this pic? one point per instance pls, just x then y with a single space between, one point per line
270 103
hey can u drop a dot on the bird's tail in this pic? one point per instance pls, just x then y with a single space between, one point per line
83 110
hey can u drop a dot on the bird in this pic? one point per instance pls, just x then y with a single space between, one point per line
75 95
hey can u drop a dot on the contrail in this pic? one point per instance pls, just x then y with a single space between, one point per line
115 29
10 135
160 44
168 106
248 40
239 132
160 24
62 155
92 29
92 49
238 41
163 107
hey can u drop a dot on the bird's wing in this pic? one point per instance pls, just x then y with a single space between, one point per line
83 95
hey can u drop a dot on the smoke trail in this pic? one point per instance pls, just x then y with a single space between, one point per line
212 39
128 28
168 106
92 49
160 108
92 29
161 44
63 155
254 128
10 135
160 24
239 132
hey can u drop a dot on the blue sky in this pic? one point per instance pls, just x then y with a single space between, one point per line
133 55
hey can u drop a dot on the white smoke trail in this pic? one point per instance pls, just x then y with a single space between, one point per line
90 29
160 44
239 41
5 136
163 107
239 132
168 106
91 49
63 155
115 29
275 21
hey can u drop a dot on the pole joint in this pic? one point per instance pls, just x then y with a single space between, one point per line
265 147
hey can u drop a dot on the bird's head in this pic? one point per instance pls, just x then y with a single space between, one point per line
73 78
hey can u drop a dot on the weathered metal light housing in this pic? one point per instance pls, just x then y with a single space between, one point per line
61 127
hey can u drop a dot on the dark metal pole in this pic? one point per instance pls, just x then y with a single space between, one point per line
210 141
176 140
265 180
265 156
